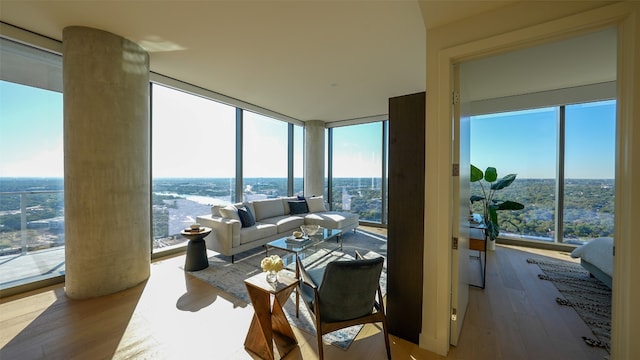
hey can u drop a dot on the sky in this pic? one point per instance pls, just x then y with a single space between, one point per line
525 142
31 143
193 136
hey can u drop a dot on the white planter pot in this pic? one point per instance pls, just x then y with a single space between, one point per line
491 245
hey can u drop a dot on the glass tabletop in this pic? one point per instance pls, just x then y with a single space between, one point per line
292 244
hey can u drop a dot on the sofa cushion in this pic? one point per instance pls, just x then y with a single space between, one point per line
246 217
316 204
230 212
287 223
298 207
332 219
268 208
256 232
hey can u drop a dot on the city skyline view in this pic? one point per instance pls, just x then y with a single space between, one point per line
193 162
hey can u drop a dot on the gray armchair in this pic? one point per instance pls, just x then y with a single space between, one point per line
343 294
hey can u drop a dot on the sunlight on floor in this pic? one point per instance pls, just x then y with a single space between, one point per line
27 312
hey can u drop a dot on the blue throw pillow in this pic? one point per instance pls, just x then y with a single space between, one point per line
298 207
246 217
300 197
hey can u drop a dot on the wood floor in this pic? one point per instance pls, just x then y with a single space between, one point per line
176 316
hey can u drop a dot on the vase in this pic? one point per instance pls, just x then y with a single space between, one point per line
272 276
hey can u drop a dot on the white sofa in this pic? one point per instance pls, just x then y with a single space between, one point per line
274 219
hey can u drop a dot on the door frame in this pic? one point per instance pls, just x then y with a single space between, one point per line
437 254
460 185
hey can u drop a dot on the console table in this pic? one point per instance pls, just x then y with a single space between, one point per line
478 242
269 323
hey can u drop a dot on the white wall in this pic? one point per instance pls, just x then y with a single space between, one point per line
515 26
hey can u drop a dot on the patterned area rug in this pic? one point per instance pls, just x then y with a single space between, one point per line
587 295
229 277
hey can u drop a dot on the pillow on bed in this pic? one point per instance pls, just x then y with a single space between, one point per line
598 252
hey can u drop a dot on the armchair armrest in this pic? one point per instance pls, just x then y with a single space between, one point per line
305 278
308 289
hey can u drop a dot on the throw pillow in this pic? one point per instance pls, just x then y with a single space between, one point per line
215 210
298 207
246 217
229 212
316 204
300 197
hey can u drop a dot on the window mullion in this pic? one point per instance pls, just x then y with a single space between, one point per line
330 169
239 163
559 223
290 160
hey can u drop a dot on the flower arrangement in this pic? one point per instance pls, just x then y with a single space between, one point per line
272 263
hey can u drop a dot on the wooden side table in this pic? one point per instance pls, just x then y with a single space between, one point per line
196 249
269 323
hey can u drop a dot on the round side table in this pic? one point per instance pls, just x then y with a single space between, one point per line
196 249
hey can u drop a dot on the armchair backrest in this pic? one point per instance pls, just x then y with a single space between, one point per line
348 289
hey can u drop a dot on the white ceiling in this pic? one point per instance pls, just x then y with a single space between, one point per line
309 60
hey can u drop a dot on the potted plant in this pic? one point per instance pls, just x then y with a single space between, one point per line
491 206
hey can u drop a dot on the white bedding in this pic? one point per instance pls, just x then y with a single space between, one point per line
598 252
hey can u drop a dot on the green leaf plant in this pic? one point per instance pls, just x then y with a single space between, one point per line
491 206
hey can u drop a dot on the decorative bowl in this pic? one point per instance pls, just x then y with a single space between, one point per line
310 229
297 234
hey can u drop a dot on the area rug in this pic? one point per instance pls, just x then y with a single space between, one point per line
587 295
229 277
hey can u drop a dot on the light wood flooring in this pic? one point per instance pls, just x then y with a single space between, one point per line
173 315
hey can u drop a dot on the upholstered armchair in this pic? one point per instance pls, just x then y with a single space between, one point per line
343 294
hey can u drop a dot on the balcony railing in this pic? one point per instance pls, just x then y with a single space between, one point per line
31 237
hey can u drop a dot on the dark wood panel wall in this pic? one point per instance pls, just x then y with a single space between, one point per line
406 215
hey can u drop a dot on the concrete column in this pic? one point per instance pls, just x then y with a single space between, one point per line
314 157
106 162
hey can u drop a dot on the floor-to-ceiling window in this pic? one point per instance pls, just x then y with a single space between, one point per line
264 157
564 159
31 165
193 160
589 171
357 169
196 154
521 143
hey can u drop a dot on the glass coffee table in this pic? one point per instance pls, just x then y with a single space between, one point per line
299 248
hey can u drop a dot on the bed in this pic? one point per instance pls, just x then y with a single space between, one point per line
596 257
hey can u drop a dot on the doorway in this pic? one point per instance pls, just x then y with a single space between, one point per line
505 95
